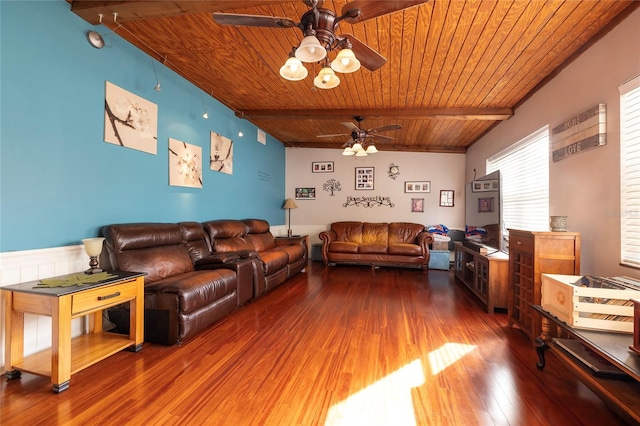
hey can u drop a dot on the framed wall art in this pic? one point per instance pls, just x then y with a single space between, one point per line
417 186
322 167
485 205
417 205
485 185
446 198
305 193
364 178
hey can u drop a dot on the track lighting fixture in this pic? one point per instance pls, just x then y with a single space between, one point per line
205 115
157 88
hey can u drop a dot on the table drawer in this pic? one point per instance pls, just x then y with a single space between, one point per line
103 297
521 243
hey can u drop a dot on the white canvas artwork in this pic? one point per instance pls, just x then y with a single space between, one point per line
185 164
221 159
130 120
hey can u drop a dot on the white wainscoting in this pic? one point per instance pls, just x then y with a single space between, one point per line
30 265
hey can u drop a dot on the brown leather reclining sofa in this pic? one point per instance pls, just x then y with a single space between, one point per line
190 285
376 244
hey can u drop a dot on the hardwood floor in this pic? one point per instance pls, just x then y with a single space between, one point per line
333 346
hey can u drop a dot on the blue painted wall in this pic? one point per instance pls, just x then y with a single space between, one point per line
60 182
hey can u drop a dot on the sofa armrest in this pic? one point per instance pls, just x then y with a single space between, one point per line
423 240
327 238
289 241
217 259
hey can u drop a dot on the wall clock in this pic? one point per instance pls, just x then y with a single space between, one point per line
394 171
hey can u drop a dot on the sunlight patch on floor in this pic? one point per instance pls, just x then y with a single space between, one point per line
447 354
385 402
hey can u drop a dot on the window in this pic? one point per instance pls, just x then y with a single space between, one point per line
630 172
524 171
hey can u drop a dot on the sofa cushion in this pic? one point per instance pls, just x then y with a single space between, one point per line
197 289
227 235
273 260
405 249
195 239
343 247
256 226
295 252
376 233
153 248
404 232
372 248
261 242
348 231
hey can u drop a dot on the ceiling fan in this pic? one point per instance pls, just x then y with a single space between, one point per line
362 141
319 26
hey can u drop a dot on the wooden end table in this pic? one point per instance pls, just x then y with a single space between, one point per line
68 356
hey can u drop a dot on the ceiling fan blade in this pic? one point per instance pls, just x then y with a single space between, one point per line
350 126
369 58
380 138
253 20
373 8
348 143
333 136
385 128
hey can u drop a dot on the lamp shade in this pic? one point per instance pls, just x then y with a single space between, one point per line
357 147
362 153
93 246
348 151
371 149
289 204
293 70
346 62
310 50
326 79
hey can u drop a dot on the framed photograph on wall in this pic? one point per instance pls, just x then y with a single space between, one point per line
446 198
485 205
417 205
305 193
417 186
364 178
485 185
322 167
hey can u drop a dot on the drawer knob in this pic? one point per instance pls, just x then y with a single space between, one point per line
519 242
109 296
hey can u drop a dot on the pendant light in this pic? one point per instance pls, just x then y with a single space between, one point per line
310 49
293 70
326 79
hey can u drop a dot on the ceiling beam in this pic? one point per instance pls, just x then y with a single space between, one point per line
383 147
492 114
90 10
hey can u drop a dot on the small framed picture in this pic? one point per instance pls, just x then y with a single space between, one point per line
485 185
305 193
364 178
322 167
417 205
485 205
446 198
417 186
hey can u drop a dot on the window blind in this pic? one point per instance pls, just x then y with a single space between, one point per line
524 170
630 172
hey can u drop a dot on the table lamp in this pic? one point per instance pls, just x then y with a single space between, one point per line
93 247
288 205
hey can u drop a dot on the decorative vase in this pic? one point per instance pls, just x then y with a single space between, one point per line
558 223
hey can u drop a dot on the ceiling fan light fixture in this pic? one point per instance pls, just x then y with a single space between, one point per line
310 49
357 147
293 70
346 62
348 151
371 149
362 153
326 79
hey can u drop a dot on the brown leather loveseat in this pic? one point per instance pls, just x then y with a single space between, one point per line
277 259
376 244
179 300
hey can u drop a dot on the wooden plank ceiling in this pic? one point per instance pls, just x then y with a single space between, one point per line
454 68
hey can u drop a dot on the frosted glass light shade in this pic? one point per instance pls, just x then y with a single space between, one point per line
346 62
93 246
310 50
357 147
293 70
362 153
348 151
371 149
326 79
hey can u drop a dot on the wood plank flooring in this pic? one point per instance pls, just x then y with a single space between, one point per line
333 346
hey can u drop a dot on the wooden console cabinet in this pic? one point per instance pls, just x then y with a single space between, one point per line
68 356
532 254
486 275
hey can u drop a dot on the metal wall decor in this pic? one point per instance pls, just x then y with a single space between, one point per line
331 186
377 201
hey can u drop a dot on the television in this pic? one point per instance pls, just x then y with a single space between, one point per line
483 213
